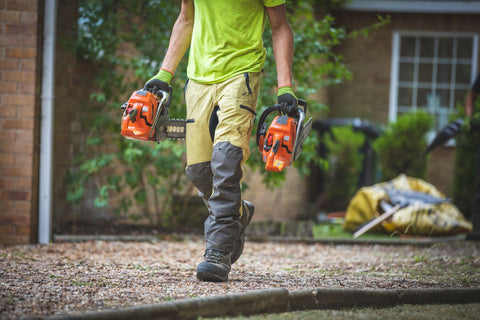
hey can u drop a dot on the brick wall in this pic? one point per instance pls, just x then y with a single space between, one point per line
20 67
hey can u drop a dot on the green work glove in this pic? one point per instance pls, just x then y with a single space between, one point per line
160 82
287 101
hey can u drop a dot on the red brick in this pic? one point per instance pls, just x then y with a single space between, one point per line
10 240
29 41
14 195
9 16
23 230
29 17
6 230
28 65
24 159
24 136
6 208
23 207
8 111
8 87
23 53
23 5
27 88
7 158
14 218
23 183
7 183
16 147
27 112
7 135
19 76
20 29
11 64
16 172
17 124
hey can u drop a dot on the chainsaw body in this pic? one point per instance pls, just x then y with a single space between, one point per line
145 117
281 142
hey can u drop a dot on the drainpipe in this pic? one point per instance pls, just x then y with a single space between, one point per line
46 124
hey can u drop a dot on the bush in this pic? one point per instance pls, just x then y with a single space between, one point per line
399 149
345 165
466 160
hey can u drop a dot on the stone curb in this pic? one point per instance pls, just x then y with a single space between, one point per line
281 300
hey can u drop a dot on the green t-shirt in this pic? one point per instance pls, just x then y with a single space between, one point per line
227 38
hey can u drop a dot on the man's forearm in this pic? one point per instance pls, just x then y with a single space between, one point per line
180 38
282 39
283 51
470 103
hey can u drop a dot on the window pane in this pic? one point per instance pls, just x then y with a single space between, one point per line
444 73
463 72
425 72
407 47
406 72
460 96
404 96
422 100
464 50
443 97
445 48
426 47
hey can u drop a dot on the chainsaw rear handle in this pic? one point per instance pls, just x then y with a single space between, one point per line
262 126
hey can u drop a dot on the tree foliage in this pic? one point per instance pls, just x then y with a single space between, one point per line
126 41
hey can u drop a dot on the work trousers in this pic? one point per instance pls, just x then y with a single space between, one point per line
220 118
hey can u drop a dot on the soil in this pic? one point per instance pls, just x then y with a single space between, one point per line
65 278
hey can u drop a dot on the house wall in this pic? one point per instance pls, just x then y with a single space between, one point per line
369 59
21 29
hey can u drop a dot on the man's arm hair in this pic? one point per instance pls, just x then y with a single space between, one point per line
282 39
180 38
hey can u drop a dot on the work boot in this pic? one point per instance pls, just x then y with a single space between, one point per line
248 210
215 268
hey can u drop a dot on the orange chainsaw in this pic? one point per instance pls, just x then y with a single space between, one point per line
145 117
281 143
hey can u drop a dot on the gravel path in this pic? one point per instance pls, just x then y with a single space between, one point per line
43 280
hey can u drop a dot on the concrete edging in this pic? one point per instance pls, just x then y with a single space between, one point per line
281 300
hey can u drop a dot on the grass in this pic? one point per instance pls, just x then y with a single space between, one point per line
336 231
403 312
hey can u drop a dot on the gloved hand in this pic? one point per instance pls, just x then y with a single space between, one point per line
287 101
161 81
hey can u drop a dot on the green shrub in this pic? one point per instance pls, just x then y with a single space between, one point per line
399 148
466 159
345 165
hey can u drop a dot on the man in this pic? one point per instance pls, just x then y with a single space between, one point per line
224 70
475 215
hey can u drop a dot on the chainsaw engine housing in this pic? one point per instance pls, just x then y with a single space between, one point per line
278 143
145 117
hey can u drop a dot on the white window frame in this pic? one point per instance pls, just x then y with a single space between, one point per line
395 64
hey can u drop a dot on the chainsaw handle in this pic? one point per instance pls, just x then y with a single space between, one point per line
261 121
261 129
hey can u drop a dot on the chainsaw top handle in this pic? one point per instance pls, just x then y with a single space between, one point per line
262 126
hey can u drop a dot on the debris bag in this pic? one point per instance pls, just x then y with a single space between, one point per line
424 210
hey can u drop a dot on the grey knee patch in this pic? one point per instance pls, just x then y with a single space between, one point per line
201 176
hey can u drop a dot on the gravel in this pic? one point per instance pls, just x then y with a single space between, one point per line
63 278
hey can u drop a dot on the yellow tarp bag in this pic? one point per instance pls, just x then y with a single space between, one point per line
417 217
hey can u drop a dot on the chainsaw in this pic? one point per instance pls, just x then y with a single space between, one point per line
145 117
281 143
